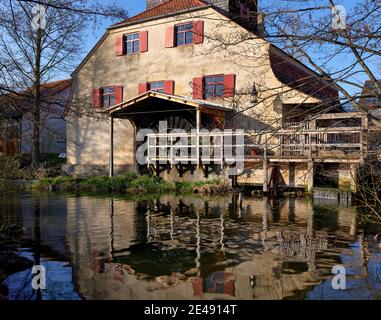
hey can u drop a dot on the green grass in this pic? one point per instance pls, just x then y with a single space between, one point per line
129 183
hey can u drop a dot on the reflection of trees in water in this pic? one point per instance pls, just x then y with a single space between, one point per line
326 218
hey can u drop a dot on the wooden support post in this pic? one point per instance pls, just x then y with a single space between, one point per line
222 151
111 160
291 175
310 176
364 137
265 170
353 169
171 151
198 126
312 138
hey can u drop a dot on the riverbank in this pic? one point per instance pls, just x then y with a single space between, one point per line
131 184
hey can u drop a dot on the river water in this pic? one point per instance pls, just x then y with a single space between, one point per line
191 247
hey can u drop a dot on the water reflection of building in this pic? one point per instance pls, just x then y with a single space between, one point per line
185 248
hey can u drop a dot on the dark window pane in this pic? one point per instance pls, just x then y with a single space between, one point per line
108 90
112 100
209 80
105 101
219 90
183 27
136 46
129 37
136 36
157 86
208 91
220 79
180 39
189 37
129 47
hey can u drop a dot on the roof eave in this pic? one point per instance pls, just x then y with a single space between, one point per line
116 26
179 99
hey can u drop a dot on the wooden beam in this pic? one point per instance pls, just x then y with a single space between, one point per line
111 160
310 176
198 127
265 170
343 115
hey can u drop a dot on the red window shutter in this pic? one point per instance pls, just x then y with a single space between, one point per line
170 37
143 87
120 45
198 88
118 94
97 94
143 41
229 83
198 32
169 87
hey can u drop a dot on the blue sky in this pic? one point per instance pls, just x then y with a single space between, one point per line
132 6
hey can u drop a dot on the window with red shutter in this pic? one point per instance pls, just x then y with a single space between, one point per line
118 91
198 88
184 34
198 32
143 38
169 87
97 94
156 86
108 97
214 86
143 87
120 45
229 84
170 37
132 42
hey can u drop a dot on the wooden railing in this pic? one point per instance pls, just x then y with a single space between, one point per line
227 147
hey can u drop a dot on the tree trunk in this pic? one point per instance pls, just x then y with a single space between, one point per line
36 102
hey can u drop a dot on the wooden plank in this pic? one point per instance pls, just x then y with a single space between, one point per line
344 115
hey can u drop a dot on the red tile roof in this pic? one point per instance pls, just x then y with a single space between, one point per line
168 7
297 78
49 90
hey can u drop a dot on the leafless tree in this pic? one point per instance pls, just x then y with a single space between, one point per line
40 41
